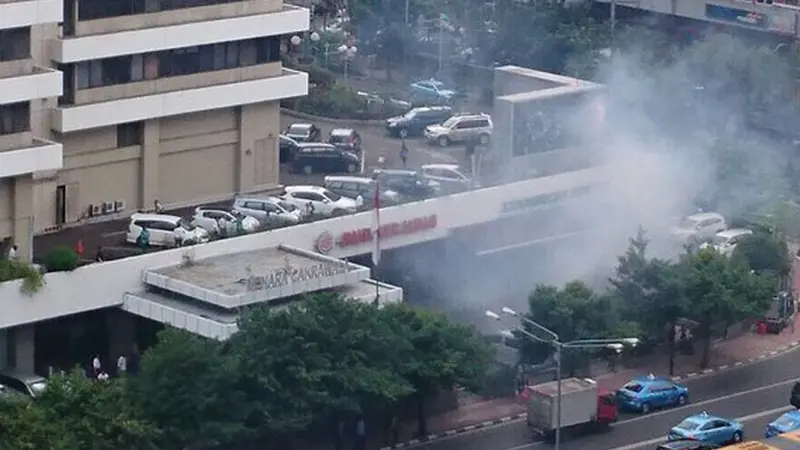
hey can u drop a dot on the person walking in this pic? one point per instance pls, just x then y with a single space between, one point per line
12 253
122 365
404 153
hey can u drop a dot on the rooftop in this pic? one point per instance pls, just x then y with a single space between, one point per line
240 279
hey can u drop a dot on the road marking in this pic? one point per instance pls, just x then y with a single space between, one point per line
113 233
758 415
473 429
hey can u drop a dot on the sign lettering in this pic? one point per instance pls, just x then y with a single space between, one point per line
406 227
547 199
290 275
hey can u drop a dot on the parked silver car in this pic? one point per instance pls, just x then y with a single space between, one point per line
269 210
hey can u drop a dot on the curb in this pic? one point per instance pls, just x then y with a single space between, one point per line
714 370
691 375
304 116
449 433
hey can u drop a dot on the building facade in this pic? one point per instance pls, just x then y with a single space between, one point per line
129 102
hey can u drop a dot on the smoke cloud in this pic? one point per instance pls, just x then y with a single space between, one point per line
680 131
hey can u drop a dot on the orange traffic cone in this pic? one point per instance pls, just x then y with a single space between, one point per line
79 247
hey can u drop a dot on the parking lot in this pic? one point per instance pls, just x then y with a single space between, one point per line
111 235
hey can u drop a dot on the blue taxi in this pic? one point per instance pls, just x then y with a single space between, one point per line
707 428
783 424
644 394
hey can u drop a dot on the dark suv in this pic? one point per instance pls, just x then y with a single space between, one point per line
324 158
413 123
409 183
346 139
287 148
354 187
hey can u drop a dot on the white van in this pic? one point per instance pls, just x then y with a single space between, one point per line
165 230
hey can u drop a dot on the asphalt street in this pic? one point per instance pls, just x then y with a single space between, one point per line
740 392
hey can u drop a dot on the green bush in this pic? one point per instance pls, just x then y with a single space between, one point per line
15 270
61 259
339 102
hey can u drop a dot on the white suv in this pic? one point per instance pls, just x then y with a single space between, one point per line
164 231
318 200
461 128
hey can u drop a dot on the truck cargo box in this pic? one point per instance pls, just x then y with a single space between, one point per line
578 403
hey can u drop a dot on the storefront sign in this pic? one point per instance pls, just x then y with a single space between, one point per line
290 275
325 241
548 199
736 16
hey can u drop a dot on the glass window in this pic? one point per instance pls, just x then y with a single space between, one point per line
287 206
634 387
219 56
15 118
15 43
450 122
247 53
38 387
688 425
333 196
232 54
137 67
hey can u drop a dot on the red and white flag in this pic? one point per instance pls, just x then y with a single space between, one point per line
376 225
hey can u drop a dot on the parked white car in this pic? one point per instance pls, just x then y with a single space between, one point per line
725 241
450 176
318 200
269 210
219 221
165 230
700 226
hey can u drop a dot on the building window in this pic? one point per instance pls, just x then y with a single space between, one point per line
268 49
129 134
15 118
99 9
15 43
177 62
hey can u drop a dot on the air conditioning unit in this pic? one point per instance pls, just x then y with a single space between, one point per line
119 205
108 207
95 210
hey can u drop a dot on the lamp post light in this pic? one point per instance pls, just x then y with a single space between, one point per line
347 52
553 339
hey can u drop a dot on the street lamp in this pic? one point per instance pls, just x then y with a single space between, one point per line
614 344
347 52
296 40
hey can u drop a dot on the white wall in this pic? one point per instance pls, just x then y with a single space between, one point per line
102 285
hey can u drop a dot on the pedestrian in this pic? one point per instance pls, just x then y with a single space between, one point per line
404 153
98 255
102 376
158 207
361 434
12 252
96 366
122 365
381 162
393 431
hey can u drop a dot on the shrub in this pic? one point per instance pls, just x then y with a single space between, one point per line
15 270
61 259
340 102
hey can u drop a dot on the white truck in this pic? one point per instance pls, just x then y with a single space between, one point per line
583 406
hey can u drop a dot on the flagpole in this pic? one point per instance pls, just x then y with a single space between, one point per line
376 251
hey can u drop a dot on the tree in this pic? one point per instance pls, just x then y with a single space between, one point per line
190 388
573 313
26 426
650 294
320 364
94 414
764 253
443 354
718 290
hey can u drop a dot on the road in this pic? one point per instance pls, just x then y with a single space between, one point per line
745 392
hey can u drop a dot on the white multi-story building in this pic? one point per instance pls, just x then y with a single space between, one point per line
107 106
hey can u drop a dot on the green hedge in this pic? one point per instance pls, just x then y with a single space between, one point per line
340 102
15 270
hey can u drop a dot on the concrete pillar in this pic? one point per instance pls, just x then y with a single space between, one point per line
22 216
257 156
121 335
244 152
150 165
24 348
